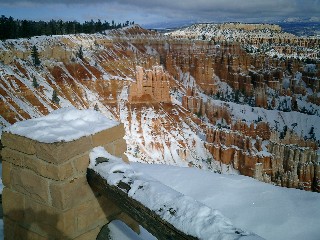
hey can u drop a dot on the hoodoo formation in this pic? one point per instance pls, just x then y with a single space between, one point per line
226 97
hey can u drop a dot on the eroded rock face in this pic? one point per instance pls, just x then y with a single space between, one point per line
150 86
243 146
290 161
138 69
286 165
261 129
294 167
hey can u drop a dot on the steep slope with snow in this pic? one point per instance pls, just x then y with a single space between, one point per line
269 211
172 115
156 132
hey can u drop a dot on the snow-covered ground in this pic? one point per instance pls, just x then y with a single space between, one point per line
120 231
183 212
272 212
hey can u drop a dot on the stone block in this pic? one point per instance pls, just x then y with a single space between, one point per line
6 172
19 143
27 182
13 204
49 221
60 172
37 212
37 165
120 146
26 234
92 234
70 193
60 152
95 212
8 228
109 148
67 224
81 163
125 158
89 215
12 156
109 135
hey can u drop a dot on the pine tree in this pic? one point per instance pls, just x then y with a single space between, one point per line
236 96
35 56
35 83
96 108
80 53
15 28
311 133
218 95
55 97
136 151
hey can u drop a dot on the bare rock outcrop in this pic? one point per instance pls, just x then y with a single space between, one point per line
150 86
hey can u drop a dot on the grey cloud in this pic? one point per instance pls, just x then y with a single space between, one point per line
200 9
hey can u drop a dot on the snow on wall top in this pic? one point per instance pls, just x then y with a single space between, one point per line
62 125
183 212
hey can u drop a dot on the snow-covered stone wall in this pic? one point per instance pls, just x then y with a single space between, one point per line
167 213
46 194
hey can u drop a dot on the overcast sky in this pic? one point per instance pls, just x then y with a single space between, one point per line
153 11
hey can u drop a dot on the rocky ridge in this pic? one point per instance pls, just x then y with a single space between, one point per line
267 38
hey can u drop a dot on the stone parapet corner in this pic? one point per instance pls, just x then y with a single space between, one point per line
46 194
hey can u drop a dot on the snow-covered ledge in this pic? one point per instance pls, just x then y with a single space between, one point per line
166 213
45 160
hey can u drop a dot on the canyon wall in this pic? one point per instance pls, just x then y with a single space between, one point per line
152 85
134 72
284 165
